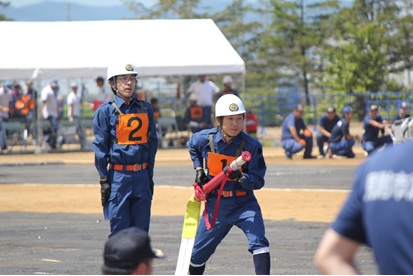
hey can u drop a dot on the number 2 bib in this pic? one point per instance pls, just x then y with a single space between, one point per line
132 129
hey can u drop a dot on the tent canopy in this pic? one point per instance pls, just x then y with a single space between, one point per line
84 49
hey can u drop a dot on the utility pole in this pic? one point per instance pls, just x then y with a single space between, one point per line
68 10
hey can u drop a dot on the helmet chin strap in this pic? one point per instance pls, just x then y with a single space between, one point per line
226 135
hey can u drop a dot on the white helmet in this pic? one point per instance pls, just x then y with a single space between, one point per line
193 97
228 105
227 79
121 69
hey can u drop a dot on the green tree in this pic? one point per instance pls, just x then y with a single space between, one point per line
2 16
291 41
401 46
242 29
167 9
358 57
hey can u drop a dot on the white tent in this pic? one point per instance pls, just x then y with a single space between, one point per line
84 49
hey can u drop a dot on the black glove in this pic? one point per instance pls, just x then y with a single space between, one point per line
234 174
104 191
201 178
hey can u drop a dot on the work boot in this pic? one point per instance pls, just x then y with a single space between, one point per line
262 263
196 270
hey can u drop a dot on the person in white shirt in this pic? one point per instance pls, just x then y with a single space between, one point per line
205 91
73 112
51 110
5 101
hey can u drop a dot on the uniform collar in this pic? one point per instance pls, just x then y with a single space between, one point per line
236 140
120 101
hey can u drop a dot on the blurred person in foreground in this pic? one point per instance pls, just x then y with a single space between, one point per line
129 252
378 213
5 103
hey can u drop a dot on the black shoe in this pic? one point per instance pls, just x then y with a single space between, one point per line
309 157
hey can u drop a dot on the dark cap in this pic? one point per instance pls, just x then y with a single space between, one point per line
374 107
100 78
347 109
298 107
331 109
127 248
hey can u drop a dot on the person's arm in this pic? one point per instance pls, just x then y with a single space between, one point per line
375 124
324 131
70 107
294 133
335 254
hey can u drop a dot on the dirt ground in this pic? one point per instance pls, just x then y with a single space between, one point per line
300 205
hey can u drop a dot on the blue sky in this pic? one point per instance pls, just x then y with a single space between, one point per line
21 3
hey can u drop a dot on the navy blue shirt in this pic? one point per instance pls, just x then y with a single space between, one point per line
328 124
340 130
379 210
290 121
371 133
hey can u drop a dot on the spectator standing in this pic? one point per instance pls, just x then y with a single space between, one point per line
17 92
378 213
73 112
5 103
156 109
51 110
373 125
31 116
295 136
156 115
103 94
129 252
227 82
194 115
205 91
341 141
325 126
125 147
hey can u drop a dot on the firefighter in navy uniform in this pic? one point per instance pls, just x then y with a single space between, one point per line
238 205
125 146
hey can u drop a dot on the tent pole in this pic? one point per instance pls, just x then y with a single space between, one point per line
243 85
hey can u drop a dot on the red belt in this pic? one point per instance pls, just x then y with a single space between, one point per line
231 193
133 168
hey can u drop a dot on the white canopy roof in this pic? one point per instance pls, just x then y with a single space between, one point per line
84 49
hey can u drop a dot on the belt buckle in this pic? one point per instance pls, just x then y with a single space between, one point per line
137 167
